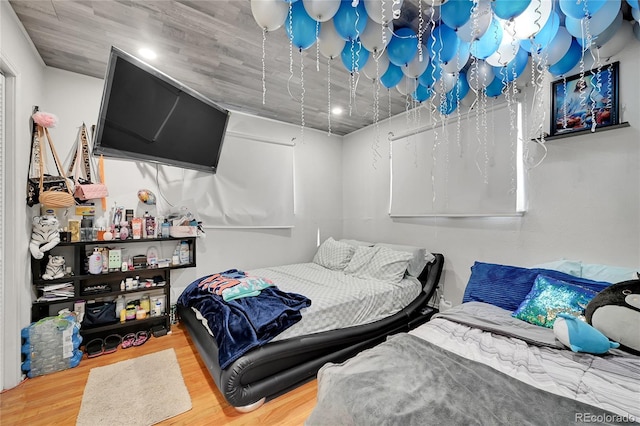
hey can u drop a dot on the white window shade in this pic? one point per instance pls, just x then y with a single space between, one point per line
468 167
253 186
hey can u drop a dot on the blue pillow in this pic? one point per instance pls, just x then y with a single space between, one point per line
549 297
507 286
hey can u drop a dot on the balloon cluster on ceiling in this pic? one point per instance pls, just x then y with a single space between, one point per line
459 45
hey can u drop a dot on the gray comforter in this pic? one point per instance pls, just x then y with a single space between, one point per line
409 381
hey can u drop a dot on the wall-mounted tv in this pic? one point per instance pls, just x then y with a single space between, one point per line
146 115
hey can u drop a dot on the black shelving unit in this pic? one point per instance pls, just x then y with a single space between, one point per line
76 255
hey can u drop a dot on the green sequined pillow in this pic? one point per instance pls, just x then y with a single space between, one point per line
548 297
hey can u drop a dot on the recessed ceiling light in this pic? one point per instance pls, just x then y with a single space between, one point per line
336 111
147 53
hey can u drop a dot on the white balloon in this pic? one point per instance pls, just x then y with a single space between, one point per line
371 37
415 67
376 66
482 14
378 14
445 83
480 76
269 14
321 10
558 47
618 41
458 61
507 50
407 85
635 14
329 41
531 21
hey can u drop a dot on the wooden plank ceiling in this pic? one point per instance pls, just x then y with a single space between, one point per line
212 46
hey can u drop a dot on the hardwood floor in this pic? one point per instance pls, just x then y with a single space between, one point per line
54 399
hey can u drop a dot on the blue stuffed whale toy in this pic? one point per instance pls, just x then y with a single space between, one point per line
580 336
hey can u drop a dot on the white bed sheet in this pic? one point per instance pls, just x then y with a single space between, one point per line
609 382
338 300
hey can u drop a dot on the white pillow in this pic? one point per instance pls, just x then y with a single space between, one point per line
571 267
357 243
420 257
360 259
609 274
386 265
334 254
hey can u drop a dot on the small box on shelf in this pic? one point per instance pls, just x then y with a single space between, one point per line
183 231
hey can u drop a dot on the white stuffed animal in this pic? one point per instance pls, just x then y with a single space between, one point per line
45 235
55 268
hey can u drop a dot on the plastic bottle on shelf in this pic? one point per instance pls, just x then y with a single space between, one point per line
95 262
124 230
120 306
184 252
165 229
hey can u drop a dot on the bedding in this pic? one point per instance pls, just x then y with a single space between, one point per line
347 314
476 364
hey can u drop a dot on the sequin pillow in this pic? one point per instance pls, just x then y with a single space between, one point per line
550 296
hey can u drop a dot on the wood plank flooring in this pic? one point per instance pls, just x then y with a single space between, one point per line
54 399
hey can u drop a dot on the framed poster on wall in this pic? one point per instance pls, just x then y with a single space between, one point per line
585 102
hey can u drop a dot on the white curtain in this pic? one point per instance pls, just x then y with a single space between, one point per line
253 187
467 167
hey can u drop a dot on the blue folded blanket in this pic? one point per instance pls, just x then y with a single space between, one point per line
242 324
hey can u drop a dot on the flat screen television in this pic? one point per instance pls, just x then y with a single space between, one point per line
145 115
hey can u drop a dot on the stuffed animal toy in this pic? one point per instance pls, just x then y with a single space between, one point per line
580 336
615 312
45 235
55 268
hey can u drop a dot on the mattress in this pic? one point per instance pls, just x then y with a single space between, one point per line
609 382
475 363
338 300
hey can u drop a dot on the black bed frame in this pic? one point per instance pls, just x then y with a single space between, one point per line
277 367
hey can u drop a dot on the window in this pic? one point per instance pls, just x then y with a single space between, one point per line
471 165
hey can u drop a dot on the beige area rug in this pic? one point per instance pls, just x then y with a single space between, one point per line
138 391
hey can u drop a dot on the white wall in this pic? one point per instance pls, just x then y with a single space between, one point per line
584 200
24 69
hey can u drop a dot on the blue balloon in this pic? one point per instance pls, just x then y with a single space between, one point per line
494 89
568 61
443 44
402 47
355 59
542 40
392 76
421 93
576 9
507 9
431 74
486 45
302 26
635 4
456 13
350 21
514 68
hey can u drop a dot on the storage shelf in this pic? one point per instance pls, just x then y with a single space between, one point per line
127 241
112 281
586 131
